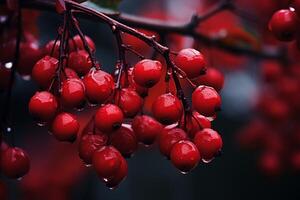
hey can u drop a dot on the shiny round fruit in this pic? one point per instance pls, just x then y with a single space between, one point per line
146 129
213 78
108 118
129 101
196 122
89 144
283 24
43 106
65 127
44 70
167 109
99 86
191 62
80 62
14 162
72 92
124 140
169 137
143 91
185 155
206 100
208 142
49 46
79 43
120 175
107 161
147 72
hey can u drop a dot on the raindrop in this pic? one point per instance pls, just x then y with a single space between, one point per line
207 160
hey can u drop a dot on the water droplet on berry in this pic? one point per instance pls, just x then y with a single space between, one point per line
92 104
41 124
88 165
112 188
207 160
183 172
8 129
19 179
179 76
26 77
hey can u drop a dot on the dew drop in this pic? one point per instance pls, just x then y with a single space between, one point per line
26 77
182 172
41 124
206 160
8 129
92 104
88 165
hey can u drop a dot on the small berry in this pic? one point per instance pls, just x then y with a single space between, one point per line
196 122
65 127
143 91
89 144
208 142
191 62
43 106
283 24
108 118
44 70
99 86
120 175
79 43
80 62
72 92
167 109
14 162
129 101
147 72
169 137
124 140
107 161
185 155
206 100
49 46
146 129
213 78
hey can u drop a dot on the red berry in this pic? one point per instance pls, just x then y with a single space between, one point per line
271 71
185 155
108 118
80 62
48 48
213 78
79 43
169 137
206 100
191 62
167 109
72 92
43 106
44 70
120 175
99 86
283 24
89 144
14 162
208 142
70 73
146 129
107 161
147 72
124 140
129 101
132 84
65 127
196 122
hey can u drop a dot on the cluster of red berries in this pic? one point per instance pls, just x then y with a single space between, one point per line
184 135
284 23
275 130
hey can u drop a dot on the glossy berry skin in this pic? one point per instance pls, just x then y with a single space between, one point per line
80 62
185 155
146 129
120 175
213 78
43 106
89 144
191 61
283 24
208 142
124 140
129 101
72 92
167 109
48 48
169 137
79 43
109 118
65 127
206 100
142 91
99 86
44 70
196 122
14 162
147 73
107 161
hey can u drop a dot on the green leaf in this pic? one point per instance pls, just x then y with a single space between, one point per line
112 4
